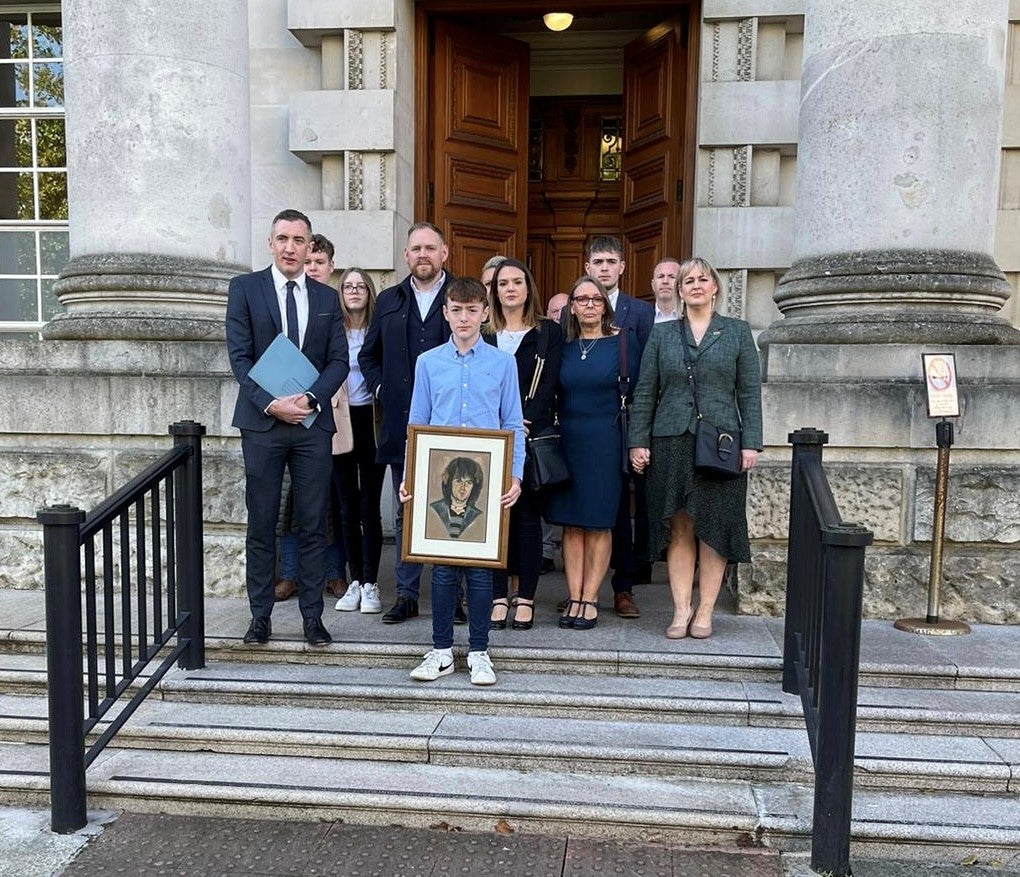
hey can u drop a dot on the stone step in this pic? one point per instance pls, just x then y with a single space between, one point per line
762 754
620 698
937 827
23 661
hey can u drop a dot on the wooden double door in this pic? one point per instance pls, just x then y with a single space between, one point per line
504 173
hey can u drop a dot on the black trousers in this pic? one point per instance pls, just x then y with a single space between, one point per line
307 456
358 481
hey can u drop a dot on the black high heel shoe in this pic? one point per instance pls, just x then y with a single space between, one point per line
566 619
499 623
582 623
518 604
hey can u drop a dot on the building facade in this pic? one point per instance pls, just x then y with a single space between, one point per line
859 193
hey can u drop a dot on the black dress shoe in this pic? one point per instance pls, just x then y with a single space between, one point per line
459 616
316 633
403 609
548 565
259 630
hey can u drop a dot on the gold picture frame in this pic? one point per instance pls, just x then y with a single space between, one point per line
455 477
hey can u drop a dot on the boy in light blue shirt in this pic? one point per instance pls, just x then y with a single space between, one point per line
469 383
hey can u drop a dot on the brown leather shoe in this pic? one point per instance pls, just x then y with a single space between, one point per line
285 589
336 587
623 603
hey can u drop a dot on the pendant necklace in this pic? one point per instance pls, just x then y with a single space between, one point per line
585 350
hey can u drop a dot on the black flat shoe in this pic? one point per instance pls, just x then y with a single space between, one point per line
259 631
519 604
403 609
499 623
582 623
316 633
566 619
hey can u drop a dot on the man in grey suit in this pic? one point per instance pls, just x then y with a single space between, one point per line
604 262
261 306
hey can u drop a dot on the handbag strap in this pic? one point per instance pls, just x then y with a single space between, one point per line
689 362
540 354
623 375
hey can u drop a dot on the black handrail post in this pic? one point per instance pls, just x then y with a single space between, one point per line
807 447
190 566
844 546
62 565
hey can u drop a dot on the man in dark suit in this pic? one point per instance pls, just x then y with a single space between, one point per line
260 306
604 262
408 320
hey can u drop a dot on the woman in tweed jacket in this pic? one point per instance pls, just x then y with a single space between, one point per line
700 520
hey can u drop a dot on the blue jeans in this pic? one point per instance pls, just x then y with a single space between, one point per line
408 575
444 602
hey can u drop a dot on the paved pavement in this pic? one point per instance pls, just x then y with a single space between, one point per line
135 844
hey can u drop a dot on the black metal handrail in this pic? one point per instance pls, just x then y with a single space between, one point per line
176 593
822 642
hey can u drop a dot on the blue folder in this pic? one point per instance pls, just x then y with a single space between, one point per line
283 370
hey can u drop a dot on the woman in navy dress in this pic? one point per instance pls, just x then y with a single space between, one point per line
588 406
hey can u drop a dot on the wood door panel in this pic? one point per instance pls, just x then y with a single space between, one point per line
654 147
484 186
479 149
473 244
644 185
648 84
483 101
644 247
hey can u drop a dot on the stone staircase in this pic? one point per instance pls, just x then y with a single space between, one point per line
617 733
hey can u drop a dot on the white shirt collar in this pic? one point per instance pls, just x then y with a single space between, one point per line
280 282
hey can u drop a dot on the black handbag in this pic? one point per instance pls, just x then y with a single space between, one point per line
545 464
716 451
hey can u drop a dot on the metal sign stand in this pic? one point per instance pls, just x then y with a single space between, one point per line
932 624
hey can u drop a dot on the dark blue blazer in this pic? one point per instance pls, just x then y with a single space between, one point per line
388 365
253 322
633 313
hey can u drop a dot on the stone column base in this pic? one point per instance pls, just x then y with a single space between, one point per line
893 297
143 297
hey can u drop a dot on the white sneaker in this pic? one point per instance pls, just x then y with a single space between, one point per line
370 602
480 665
438 662
350 601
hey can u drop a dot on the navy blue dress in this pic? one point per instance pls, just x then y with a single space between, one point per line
588 402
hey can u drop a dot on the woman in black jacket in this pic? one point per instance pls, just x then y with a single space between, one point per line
517 326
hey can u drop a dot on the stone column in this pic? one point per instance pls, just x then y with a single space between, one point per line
158 167
897 176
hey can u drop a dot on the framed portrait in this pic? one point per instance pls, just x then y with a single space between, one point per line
455 477
940 384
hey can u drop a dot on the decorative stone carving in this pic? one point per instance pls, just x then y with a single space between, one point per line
746 49
716 29
355 181
733 299
740 196
355 59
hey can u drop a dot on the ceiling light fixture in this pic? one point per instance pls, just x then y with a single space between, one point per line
558 20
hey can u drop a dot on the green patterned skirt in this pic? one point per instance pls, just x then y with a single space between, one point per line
718 508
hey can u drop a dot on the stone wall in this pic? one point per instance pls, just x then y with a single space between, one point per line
116 399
